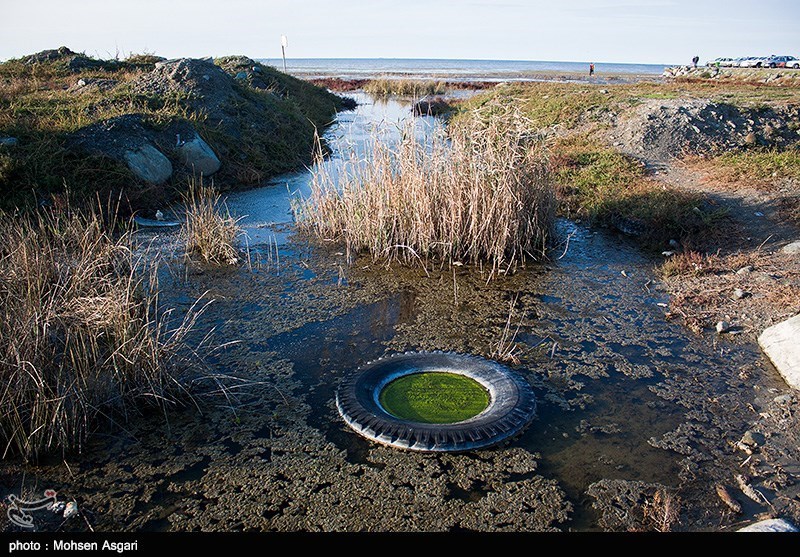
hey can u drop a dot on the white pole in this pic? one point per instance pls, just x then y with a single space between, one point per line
284 44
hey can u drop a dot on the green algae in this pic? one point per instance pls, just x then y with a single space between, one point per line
434 398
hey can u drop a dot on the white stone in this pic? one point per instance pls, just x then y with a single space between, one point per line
149 164
793 248
781 344
770 525
197 155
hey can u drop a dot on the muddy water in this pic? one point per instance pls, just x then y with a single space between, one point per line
617 386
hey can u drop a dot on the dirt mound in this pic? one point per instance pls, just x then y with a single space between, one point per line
204 86
72 61
665 129
249 122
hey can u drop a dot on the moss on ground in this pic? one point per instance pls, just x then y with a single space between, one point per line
434 398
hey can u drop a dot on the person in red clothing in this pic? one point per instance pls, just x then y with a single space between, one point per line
591 69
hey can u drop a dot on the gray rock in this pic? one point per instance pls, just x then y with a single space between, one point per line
8 141
793 248
770 525
781 344
738 294
197 155
149 164
241 75
752 439
723 327
745 270
783 399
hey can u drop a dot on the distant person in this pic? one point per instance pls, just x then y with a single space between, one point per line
695 60
591 69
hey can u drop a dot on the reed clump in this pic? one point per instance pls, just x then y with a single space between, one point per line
210 231
478 192
404 87
81 335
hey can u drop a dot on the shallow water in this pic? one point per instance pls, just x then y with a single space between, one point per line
608 369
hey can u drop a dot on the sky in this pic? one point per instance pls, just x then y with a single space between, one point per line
635 31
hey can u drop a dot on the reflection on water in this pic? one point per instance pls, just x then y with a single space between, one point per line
263 210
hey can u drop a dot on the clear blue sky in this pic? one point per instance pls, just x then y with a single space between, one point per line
638 31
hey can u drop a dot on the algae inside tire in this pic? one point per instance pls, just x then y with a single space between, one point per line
434 398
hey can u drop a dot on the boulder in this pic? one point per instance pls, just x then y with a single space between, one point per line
198 156
149 164
781 344
770 525
792 249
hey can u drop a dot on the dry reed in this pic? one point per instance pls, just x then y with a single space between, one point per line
404 87
480 193
210 231
81 333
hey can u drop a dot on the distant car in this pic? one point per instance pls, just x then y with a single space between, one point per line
782 62
738 62
723 62
753 62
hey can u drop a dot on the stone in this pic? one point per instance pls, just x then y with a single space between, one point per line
781 344
792 249
745 270
738 294
752 439
723 327
8 141
770 525
197 155
241 75
750 139
149 164
783 399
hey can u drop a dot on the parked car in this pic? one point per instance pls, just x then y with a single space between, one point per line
753 62
723 62
782 62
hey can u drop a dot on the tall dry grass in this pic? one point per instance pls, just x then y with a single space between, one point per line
481 192
404 87
81 334
210 231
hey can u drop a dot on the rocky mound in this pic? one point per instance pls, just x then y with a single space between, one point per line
250 123
67 59
665 129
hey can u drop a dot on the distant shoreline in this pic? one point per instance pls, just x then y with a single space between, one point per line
466 70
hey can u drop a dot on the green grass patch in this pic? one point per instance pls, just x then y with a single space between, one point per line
757 164
547 104
607 187
434 398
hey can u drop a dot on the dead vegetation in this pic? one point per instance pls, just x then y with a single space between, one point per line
210 232
82 336
480 193
751 289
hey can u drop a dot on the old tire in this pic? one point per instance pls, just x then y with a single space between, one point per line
512 403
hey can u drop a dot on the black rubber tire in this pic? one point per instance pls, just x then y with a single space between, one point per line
512 403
